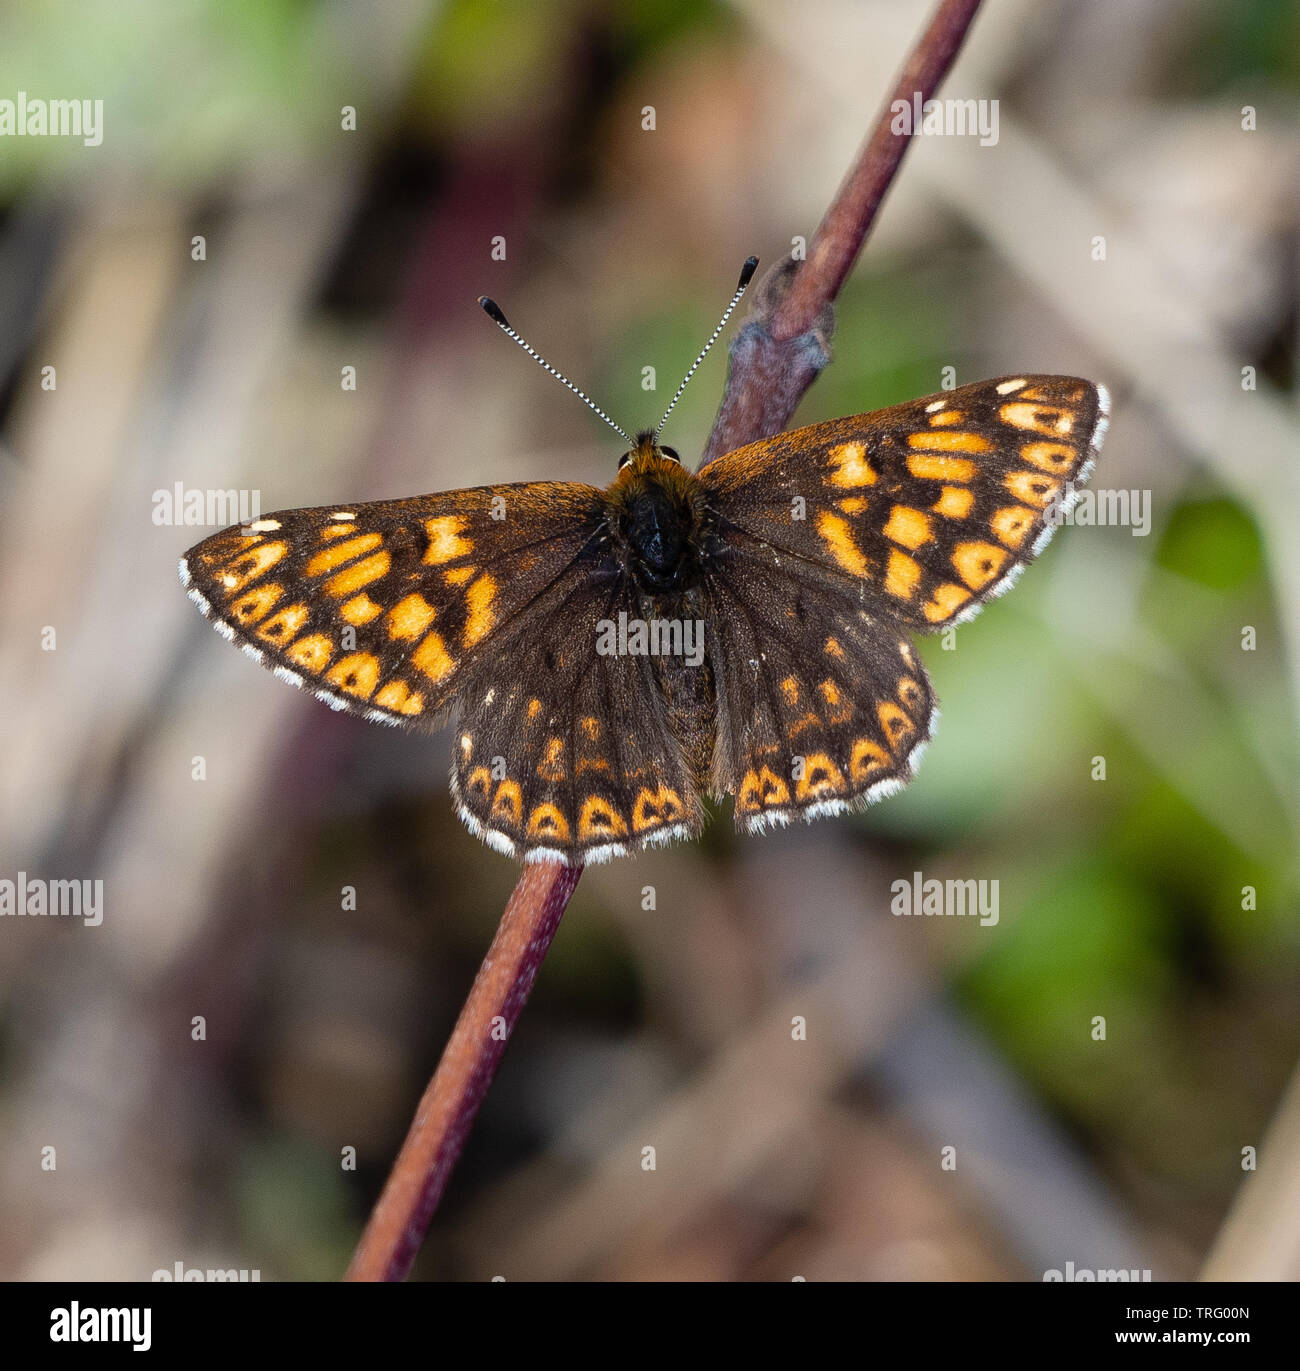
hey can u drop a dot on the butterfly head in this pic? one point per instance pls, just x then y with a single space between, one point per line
645 454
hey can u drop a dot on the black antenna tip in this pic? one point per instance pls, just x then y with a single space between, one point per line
493 311
747 272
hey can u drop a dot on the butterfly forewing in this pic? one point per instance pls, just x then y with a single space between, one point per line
930 508
379 608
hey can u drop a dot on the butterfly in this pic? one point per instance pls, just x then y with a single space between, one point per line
610 657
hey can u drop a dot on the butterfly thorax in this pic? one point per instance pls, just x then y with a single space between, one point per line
657 518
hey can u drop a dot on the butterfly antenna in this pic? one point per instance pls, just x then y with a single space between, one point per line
746 275
493 312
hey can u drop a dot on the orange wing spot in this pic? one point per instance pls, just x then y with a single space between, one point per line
339 553
432 657
820 777
585 764
590 727
411 617
954 502
336 531
359 574
546 821
283 626
851 467
509 803
898 727
790 689
903 575
479 616
445 541
834 649
803 725
945 602
909 527
1012 524
1032 488
909 691
479 783
940 468
979 563
358 674
1049 419
838 537
867 761
947 418
854 504
360 609
248 566
551 767
312 653
398 697
841 710
1057 458
458 575
949 442
599 819
761 789
253 607
1072 395
534 708
655 807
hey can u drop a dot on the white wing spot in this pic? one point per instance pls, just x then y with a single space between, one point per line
1006 387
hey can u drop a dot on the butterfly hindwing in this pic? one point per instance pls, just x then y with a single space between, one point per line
821 707
567 754
930 508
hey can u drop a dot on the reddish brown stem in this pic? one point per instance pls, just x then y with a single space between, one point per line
784 344
443 1119
774 359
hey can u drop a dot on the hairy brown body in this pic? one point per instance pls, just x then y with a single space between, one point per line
663 536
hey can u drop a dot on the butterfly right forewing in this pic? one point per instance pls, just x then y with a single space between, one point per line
928 509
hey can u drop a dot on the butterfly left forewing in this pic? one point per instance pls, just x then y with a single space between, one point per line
379 608
932 507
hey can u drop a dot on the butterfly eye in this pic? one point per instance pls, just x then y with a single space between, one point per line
624 460
670 453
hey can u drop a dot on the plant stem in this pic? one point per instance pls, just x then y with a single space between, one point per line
469 1061
784 344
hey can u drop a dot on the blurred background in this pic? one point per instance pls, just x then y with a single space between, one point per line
200 280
